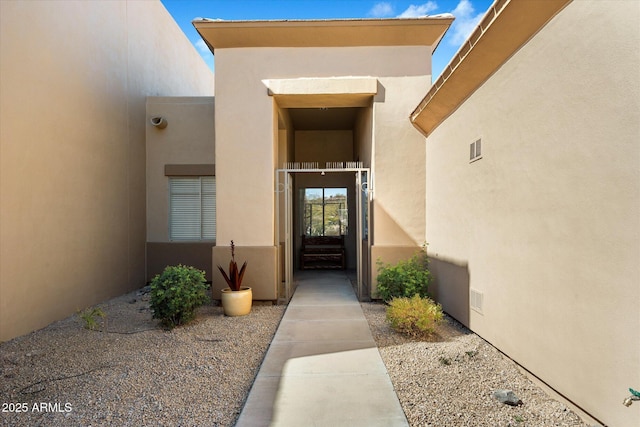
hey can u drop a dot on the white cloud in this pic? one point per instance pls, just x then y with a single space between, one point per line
414 11
202 46
381 9
466 21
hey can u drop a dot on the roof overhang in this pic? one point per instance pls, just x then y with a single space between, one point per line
507 26
323 92
424 31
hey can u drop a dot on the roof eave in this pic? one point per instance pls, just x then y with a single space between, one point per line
426 31
505 28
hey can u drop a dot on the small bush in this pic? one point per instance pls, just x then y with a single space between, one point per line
176 293
414 316
90 316
405 279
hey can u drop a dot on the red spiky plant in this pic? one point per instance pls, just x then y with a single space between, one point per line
234 279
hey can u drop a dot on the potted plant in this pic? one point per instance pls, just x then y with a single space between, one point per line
236 299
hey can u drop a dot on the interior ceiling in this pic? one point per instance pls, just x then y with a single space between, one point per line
323 118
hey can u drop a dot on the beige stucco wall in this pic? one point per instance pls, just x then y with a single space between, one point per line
246 194
73 83
241 93
324 146
363 136
261 274
546 225
188 139
398 165
398 171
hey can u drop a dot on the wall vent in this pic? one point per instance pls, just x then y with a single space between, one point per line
475 150
476 300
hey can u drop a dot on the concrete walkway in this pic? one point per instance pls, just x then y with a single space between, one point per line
323 367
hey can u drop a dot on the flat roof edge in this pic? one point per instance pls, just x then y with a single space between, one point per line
422 31
328 22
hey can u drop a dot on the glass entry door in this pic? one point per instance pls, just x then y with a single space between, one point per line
323 211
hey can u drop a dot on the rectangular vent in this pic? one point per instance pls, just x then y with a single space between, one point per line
475 150
475 300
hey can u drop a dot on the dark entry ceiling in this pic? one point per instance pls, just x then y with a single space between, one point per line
323 118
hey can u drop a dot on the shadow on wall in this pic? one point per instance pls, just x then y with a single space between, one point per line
450 287
381 94
388 231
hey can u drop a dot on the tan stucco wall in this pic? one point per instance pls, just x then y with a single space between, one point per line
187 139
398 166
363 136
546 225
246 194
398 174
261 274
73 83
324 146
241 93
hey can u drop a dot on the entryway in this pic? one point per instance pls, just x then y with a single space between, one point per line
330 201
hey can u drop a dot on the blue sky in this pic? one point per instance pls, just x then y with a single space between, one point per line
467 12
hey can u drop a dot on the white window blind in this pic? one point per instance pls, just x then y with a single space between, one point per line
192 208
475 150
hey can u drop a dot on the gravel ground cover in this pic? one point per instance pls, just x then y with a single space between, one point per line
449 380
138 374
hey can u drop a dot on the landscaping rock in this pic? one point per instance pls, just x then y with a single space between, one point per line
507 397
433 394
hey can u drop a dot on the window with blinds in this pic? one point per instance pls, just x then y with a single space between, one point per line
192 208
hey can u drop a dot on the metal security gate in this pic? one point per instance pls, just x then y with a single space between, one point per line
284 224
285 215
363 242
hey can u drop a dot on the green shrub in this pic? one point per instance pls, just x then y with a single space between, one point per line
414 316
176 293
405 279
90 316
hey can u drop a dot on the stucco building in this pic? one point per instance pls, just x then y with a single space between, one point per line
74 79
519 166
535 236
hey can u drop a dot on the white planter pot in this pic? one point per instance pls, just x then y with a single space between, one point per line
237 303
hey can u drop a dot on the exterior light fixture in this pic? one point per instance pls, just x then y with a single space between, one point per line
159 122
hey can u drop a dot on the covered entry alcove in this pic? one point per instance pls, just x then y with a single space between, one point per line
322 186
